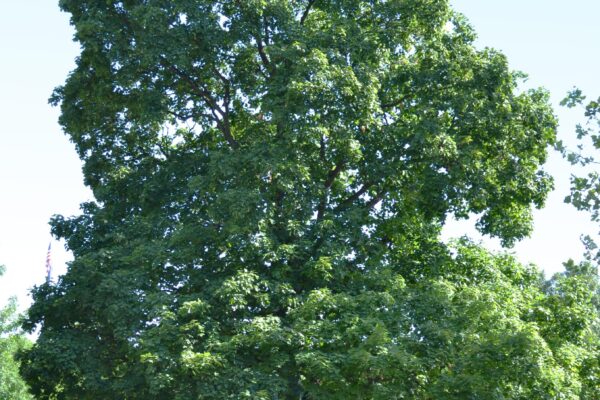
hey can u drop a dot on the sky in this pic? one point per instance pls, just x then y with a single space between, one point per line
553 41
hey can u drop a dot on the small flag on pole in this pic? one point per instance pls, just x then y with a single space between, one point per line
49 264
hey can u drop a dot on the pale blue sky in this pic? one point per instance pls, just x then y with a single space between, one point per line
554 41
39 170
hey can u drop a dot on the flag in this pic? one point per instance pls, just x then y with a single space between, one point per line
49 263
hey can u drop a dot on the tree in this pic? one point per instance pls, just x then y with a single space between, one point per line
271 178
12 387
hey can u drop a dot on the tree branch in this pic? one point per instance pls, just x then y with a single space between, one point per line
375 200
334 174
346 203
394 103
182 117
306 11
222 77
263 56
266 23
321 208
200 91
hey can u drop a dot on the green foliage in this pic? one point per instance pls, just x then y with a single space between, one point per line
12 386
271 178
585 190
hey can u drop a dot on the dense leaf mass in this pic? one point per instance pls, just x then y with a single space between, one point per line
271 177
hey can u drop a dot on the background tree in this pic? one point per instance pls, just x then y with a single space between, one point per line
585 190
585 187
12 386
271 178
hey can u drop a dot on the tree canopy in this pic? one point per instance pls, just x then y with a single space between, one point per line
12 386
271 178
